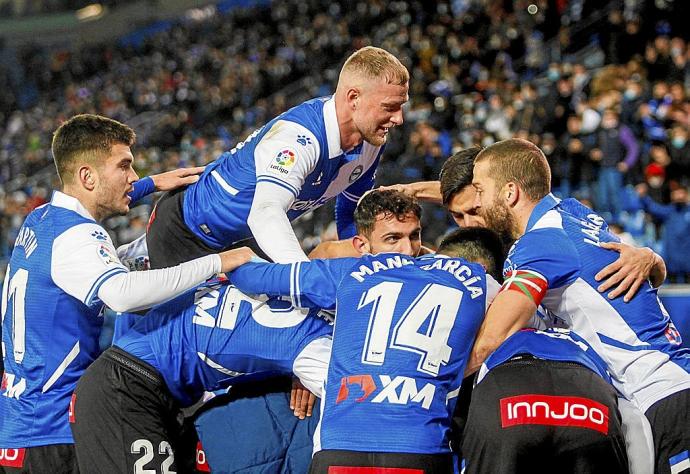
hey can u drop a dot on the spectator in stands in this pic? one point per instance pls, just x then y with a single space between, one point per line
676 219
616 151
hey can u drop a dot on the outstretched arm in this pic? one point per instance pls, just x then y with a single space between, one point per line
165 182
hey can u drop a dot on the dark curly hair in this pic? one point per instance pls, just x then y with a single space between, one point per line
389 203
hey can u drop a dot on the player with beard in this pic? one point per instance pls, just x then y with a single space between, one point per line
455 192
554 263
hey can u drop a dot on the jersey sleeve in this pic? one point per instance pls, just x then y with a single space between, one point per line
286 155
541 260
142 188
309 284
346 202
83 259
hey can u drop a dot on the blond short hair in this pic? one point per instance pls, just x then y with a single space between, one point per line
521 162
371 62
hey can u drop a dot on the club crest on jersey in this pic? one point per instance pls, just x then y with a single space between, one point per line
106 255
284 161
99 235
356 173
303 140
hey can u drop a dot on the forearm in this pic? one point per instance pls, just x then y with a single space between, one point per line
273 233
142 188
429 191
134 291
658 273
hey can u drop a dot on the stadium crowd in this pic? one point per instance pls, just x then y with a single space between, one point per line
569 365
481 72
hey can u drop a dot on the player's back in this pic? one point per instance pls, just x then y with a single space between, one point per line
298 151
404 329
214 336
49 337
636 339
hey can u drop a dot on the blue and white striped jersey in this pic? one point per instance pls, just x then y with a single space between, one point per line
298 151
403 332
51 319
214 336
637 340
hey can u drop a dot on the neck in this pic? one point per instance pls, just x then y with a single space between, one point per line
522 215
350 137
85 200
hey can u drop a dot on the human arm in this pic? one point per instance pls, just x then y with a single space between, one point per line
429 191
309 284
85 265
282 166
165 182
633 267
632 148
270 225
509 312
334 249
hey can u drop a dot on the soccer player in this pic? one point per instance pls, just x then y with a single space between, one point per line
322 149
128 401
454 191
554 264
403 331
62 272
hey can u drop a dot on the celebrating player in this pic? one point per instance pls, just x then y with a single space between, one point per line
62 273
554 263
319 150
402 336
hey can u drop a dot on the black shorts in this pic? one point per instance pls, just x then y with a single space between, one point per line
169 240
670 421
52 458
125 418
332 461
539 416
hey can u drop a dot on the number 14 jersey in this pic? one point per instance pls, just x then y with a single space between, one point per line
403 333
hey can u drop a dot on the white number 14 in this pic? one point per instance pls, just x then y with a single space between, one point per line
436 304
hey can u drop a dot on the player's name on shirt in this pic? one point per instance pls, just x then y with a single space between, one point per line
26 240
463 273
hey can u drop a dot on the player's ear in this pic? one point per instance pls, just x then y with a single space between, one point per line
361 244
353 97
87 177
512 192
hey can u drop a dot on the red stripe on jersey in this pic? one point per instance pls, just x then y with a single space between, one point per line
527 282
372 470
201 462
554 411
12 457
70 411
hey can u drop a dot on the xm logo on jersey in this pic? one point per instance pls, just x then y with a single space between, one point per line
284 162
554 411
12 388
398 391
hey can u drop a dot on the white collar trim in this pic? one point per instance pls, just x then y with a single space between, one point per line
332 130
65 201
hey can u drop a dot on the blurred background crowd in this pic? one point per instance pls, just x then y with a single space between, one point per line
602 87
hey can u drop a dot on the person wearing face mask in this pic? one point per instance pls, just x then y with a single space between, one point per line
676 219
679 168
616 151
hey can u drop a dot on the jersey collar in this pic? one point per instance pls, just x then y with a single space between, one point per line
332 130
546 203
61 199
